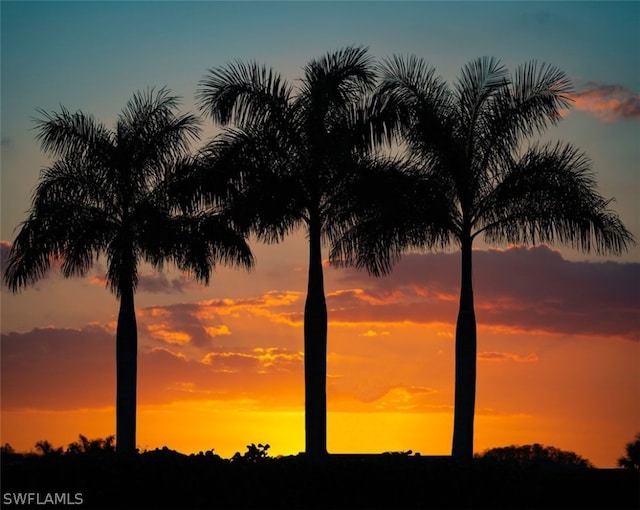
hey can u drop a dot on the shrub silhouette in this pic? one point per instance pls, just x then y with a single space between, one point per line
92 446
166 479
253 454
7 449
632 459
44 447
535 456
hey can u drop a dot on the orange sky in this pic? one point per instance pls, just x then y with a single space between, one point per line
221 366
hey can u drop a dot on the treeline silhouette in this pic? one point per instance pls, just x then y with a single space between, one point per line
318 157
528 476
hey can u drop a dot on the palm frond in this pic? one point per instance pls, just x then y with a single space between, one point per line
150 135
243 93
76 181
549 196
198 243
338 78
540 93
421 102
387 208
409 79
68 232
30 256
88 233
253 173
479 80
64 133
148 108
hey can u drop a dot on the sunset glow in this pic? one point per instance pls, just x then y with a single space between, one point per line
222 366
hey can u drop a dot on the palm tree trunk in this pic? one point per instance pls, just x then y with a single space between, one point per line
126 372
465 377
315 349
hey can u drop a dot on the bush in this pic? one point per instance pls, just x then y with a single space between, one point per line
632 459
253 454
536 456
164 479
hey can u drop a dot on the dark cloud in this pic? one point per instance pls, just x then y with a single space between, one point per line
58 368
531 289
62 369
156 283
153 283
521 289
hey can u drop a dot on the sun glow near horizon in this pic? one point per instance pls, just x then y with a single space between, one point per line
193 427
239 378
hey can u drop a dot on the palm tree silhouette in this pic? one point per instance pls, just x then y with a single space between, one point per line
108 193
468 141
298 158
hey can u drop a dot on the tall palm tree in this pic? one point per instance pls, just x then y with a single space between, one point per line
107 193
298 157
469 140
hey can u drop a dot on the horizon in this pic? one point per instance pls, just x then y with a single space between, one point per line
221 366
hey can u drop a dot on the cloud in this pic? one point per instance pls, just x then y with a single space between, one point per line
520 289
530 290
386 398
56 368
153 283
198 326
156 283
507 356
226 349
608 103
53 368
405 398
259 359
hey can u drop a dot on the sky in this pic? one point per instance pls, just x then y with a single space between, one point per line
221 366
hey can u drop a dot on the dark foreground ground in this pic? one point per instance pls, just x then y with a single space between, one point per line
168 480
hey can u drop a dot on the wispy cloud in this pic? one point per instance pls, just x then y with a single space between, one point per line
507 356
608 103
260 360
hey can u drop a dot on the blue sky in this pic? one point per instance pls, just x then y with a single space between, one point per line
541 312
94 55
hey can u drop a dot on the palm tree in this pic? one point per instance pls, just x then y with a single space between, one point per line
298 158
469 139
46 448
107 193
